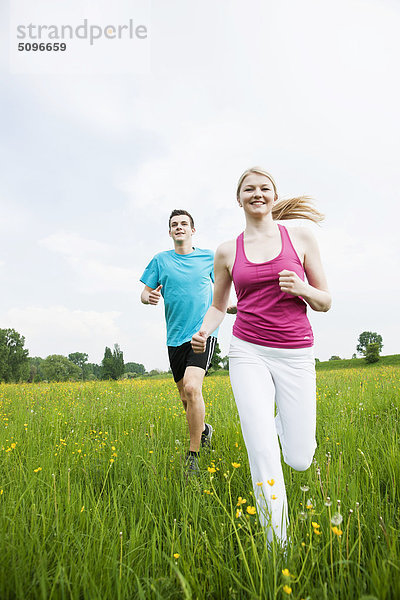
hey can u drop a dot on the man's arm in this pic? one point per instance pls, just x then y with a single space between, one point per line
150 295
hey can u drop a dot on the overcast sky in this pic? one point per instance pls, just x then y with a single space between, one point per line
92 165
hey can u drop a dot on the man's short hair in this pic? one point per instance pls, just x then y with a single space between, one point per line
177 212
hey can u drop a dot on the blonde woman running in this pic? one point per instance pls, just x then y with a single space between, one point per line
276 273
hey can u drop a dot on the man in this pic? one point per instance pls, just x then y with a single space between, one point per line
184 277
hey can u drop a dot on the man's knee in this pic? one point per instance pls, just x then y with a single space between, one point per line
192 389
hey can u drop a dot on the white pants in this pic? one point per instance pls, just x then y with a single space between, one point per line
262 377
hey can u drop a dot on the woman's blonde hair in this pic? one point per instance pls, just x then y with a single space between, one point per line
292 208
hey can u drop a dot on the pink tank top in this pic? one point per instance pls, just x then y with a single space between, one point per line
266 315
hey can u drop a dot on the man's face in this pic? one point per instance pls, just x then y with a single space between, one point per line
180 228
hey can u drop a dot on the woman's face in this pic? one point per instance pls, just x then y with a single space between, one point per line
257 194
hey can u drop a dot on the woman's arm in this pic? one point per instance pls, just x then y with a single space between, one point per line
222 287
315 290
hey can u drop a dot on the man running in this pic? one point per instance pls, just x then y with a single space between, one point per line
184 277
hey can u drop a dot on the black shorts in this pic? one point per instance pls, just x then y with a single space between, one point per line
183 356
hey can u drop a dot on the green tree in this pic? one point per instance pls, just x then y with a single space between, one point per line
107 365
112 365
216 359
80 360
35 369
58 368
225 362
368 337
93 371
118 357
372 353
334 357
14 363
132 367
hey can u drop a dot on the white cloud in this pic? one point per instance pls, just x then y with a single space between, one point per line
60 330
89 260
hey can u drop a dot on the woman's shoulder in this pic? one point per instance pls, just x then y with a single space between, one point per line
226 248
302 234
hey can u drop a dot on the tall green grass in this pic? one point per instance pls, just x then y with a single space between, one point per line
95 503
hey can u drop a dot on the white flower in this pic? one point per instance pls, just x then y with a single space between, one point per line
304 488
336 519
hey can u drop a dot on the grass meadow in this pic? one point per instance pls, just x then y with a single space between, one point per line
94 502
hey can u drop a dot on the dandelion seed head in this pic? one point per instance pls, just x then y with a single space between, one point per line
336 519
304 488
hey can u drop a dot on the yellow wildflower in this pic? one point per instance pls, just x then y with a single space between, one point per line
287 589
176 555
251 510
82 509
211 469
273 497
286 572
271 481
337 531
241 501
259 483
238 513
315 525
37 470
235 465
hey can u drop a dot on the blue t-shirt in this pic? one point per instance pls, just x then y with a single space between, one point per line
186 281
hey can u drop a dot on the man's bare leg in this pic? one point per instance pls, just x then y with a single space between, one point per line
190 391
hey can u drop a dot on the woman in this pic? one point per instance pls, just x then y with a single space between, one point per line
271 359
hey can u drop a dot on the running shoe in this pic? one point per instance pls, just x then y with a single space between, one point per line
192 465
206 439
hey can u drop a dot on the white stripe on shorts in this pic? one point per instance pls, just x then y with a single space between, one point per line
211 352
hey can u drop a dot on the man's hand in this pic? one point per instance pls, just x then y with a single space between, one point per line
199 341
155 295
291 283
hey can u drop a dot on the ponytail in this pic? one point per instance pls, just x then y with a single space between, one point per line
296 208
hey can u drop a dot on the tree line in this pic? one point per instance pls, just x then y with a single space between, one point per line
16 364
